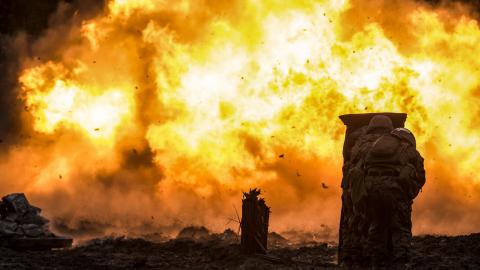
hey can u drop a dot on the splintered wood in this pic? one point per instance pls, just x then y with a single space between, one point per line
254 225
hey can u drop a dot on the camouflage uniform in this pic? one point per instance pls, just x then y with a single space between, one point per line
355 196
394 175
351 240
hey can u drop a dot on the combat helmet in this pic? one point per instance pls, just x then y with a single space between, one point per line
404 134
380 122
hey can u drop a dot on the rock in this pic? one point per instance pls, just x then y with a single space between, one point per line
32 217
12 217
17 203
22 227
32 230
7 228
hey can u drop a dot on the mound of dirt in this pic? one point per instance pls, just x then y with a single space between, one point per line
194 233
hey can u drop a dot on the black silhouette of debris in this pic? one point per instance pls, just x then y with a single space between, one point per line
281 156
22 226
324 185
254 224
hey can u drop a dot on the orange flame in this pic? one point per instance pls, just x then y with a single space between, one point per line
230 96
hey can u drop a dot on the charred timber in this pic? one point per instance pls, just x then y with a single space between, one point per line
254 224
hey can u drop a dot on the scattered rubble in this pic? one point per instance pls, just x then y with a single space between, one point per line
20 219
22 226
429 252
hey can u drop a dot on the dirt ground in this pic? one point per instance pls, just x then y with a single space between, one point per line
221 251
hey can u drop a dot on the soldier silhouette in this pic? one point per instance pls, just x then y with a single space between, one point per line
385 174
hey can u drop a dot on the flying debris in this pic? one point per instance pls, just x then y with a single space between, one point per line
213 94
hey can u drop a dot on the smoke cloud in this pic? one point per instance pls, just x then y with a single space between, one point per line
131 117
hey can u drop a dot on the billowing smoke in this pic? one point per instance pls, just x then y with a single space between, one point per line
138 116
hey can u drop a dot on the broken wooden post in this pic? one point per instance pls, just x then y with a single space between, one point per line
254 224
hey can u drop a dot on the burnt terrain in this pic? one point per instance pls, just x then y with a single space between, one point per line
222 251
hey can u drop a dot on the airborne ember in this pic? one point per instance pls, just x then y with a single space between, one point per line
143 116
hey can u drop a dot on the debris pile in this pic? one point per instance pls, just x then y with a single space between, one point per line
18 218
22 227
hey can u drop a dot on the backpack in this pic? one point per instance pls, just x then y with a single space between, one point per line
386 152
389 152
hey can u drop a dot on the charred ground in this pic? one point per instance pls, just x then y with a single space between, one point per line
222 251
429 252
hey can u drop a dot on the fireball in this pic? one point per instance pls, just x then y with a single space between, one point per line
221 97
